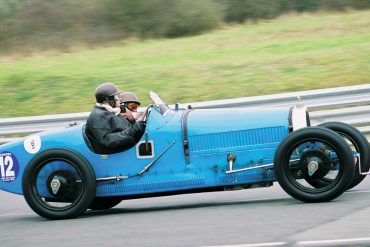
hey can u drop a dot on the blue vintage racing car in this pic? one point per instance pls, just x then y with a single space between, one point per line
186 151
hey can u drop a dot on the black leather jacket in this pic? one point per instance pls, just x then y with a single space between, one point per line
109 133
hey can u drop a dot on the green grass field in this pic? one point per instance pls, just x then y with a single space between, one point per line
292 53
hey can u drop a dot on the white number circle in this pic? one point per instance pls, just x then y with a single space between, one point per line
32 144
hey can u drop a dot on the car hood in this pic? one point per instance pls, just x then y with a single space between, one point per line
205 121
226 130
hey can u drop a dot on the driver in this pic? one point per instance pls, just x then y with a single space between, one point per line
129 105
107 131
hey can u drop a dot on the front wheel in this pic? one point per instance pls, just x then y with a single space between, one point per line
58 184
314 153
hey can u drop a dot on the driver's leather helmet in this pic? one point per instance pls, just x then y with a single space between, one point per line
106 92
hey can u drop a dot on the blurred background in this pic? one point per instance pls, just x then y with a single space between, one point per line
54 53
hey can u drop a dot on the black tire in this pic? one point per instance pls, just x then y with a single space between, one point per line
360 144
76 188
102 203
312 139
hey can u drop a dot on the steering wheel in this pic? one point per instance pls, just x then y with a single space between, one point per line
147 111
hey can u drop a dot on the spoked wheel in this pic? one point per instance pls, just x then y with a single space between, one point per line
359 145
59 184
102 203
314 153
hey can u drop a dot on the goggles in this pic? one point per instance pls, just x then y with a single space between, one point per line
131 106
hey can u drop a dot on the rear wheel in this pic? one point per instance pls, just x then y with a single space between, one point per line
314 153
358 143
59 184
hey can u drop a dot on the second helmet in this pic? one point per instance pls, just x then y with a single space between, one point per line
128 97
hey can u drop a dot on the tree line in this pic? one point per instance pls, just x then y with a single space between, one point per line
61 24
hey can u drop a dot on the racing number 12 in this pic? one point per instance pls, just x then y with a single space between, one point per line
7 162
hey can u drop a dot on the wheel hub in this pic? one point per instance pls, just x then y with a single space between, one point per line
55 185
62 184
312 167
315 163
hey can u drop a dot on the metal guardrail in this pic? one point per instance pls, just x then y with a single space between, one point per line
346 104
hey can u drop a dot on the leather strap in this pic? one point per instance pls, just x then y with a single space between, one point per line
185 135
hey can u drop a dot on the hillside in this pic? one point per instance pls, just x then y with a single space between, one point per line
291 53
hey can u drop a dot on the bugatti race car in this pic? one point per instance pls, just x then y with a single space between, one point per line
186 151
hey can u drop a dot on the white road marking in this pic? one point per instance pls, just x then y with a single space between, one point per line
334 242
16 214
358 191
251 245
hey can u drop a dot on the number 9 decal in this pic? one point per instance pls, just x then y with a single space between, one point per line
9 167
